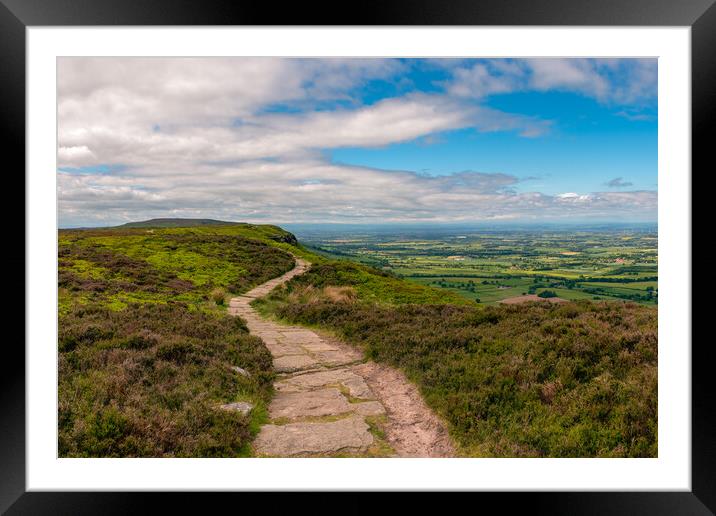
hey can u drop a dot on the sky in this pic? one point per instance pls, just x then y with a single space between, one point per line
272 140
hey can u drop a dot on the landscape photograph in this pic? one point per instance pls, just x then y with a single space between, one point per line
357 257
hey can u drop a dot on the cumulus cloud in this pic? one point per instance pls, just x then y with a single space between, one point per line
244 139
484 79
613 81
91 134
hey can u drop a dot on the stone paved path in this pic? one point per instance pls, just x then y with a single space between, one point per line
324 405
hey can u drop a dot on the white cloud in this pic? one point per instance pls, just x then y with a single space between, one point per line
569 74
618 81
573 197
480 80
314 191
79 154
160 111
196 138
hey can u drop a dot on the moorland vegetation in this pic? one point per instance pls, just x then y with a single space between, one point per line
147 353
575 379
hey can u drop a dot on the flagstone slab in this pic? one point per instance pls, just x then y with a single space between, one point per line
357 387
279 350
290 363
355 384
336 357
300 439
318 379
295 405
369 408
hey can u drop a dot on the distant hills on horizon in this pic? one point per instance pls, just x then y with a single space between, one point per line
169 222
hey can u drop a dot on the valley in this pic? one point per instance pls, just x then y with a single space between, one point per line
489 265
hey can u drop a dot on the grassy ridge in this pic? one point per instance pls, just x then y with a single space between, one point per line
116 267
176 223
145 344
537 380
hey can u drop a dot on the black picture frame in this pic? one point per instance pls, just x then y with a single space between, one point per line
17 15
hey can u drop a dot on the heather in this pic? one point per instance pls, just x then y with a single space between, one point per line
148 380
146 351
577 379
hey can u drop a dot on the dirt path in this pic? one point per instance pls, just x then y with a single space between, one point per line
330 401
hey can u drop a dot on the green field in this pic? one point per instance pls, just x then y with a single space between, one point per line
612 264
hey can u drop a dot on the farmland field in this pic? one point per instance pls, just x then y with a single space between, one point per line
613 263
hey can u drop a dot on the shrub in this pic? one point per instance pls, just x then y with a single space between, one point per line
340 294
146 381
538 380
218 295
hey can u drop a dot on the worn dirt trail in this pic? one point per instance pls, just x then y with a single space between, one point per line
330 401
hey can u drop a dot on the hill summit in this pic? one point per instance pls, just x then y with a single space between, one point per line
175 223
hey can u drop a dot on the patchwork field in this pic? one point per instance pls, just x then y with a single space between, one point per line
487 265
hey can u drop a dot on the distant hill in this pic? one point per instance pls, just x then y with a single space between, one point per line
175 223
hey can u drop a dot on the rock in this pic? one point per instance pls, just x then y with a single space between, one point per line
345 435
240 406
287 238
358 388
294 405
240 370
290 363
369 408
343 376
336 357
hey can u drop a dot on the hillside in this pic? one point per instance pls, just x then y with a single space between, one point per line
146 349
146 346
175 223
575 379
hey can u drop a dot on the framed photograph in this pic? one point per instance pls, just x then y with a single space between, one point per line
429 248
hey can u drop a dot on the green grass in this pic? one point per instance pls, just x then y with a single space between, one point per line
146 346
535 380
373 285
120 266
147 380
492 292
574 258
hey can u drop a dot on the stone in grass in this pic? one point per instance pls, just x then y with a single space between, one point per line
239 406
240 370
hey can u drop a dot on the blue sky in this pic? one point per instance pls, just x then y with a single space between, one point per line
359 141
589 144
